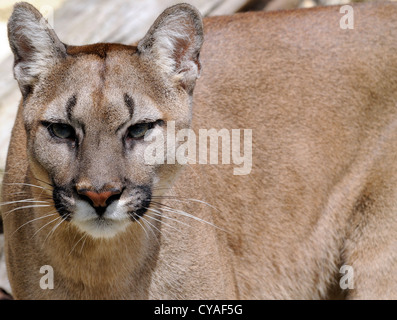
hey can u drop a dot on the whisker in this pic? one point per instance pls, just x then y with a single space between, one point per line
186 214
137 220
26 184
25 200
160 214
30 221
19 192
82 246
150 228
161 188
24 207
41 196
53 229
45 226
83 236
45 182
164 223
186 200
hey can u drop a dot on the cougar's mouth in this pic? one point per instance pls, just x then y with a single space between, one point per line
103 221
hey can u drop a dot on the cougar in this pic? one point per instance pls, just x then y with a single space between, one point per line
87 215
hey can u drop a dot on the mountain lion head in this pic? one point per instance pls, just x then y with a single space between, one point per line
88 109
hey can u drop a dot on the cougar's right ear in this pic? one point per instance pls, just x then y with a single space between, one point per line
35 45
173 43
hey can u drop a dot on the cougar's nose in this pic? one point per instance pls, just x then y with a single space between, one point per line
100 200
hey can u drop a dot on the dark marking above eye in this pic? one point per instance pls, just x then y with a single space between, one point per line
70 104
129 102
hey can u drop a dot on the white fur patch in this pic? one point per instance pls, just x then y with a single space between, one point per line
114 221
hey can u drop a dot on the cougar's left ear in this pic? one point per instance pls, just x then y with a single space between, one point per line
35 45
174 42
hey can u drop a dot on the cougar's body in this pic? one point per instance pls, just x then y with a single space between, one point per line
322 105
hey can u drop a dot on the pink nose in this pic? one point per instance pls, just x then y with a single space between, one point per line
98 199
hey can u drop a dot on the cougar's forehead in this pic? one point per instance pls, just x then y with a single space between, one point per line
88 97
110 87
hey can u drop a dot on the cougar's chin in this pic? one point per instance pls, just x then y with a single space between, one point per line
102 227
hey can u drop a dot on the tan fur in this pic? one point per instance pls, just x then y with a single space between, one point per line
322 104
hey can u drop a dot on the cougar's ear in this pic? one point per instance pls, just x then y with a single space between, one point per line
174 42
35 45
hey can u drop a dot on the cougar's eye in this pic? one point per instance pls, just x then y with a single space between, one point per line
62 131
138 130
